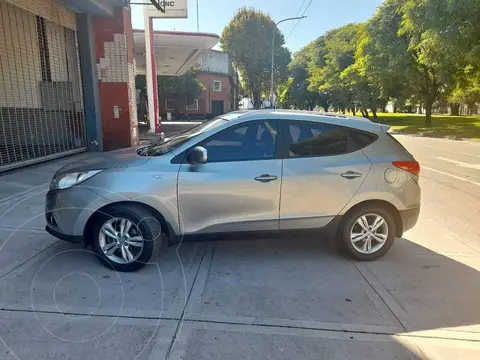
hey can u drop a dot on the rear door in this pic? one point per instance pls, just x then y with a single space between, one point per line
322 170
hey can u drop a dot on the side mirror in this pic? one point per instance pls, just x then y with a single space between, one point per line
198 155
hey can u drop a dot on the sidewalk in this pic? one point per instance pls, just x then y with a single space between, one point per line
288 298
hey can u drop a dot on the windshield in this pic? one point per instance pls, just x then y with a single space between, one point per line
179 139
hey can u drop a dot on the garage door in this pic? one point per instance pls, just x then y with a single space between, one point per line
41 105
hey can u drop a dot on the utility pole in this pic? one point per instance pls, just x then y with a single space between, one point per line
198 19
272 99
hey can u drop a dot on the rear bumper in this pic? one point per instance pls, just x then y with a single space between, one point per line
409 218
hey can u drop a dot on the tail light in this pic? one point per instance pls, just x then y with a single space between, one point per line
412 166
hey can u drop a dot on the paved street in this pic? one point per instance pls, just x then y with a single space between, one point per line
269 299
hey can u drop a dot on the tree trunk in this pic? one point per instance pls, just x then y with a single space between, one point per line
354 111
374 112
428 111
471 109
454 109
419 109
361 111
365 112
256 100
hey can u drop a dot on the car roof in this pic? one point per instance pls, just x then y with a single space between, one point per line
303 115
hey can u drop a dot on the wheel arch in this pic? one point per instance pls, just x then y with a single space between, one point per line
383 204
167 228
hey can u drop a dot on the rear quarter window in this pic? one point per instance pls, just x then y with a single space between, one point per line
362 139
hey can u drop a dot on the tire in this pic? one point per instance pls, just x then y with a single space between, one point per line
142 225
351 245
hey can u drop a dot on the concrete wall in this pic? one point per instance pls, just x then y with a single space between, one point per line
215 61
51 10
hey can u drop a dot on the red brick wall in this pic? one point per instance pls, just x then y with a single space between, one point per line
114 53
205 98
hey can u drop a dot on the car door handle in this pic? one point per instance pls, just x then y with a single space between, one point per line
264 178
350 175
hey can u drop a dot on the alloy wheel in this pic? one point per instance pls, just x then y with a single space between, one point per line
369 233
120 240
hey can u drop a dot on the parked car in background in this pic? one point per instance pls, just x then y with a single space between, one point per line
253 171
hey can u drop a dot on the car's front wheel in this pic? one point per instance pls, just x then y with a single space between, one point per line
125 237
368 233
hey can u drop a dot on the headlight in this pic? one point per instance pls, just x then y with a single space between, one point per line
66 181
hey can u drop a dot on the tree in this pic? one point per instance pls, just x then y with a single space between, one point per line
297 92
336 71
247 39
184 88
467 92
406 55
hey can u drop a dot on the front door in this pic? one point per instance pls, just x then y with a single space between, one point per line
238 189
322 171
217 108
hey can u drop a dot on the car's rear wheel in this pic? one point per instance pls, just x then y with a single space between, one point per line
368 233
126 237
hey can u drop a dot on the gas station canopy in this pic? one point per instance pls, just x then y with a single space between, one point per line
175 52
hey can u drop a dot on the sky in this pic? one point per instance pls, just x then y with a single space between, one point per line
322 15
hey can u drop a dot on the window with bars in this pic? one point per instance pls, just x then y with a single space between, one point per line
41 105
217 85
192 106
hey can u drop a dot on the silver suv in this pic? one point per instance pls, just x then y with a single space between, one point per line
256 171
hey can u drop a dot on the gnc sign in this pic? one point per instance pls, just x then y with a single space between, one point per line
174 9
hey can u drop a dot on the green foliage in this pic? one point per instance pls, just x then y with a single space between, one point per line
452 127
297 92
419 48
185 87
247 38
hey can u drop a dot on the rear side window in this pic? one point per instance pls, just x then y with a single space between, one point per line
362 139
316 139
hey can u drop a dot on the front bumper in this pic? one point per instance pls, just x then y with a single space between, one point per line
70 238
409 218
67 212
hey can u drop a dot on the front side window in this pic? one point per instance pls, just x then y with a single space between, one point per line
177 140
307 139
251 141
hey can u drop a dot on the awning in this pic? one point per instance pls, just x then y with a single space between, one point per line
175 52
95 7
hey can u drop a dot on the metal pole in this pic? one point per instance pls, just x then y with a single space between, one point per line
272 101
198 19
149 71
272 96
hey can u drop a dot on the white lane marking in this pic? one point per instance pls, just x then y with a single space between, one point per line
460 163
181 122
453 151
453 176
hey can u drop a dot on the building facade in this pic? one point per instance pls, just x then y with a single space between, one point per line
216 73
67 76
66 79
